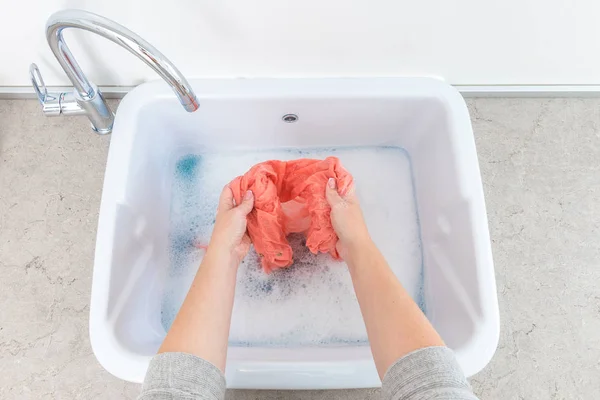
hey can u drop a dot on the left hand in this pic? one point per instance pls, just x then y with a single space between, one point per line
229 237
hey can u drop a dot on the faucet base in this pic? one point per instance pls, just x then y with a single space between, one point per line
55 104
97 110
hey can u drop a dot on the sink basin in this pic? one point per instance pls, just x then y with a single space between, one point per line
409 144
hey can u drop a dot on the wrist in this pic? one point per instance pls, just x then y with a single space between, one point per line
358 242
359 250
219 257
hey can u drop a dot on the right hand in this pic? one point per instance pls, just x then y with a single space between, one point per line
347 220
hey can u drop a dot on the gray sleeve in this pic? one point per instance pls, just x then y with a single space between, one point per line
429 373
174 376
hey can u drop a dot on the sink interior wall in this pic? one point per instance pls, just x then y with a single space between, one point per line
414 125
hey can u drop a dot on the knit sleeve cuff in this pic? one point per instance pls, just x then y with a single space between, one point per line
428 373
173 375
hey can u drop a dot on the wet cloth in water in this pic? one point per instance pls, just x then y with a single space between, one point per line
289 197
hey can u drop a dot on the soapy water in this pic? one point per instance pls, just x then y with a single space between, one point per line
313 301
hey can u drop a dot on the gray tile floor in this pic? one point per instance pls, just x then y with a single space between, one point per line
540 160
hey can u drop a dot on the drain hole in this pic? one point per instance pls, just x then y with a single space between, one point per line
289 118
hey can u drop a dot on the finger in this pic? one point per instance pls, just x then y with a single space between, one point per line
247 203
331 194
350 195
226 199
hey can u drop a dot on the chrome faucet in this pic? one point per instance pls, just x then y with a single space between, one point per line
86 98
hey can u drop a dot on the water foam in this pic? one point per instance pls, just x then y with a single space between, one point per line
312 302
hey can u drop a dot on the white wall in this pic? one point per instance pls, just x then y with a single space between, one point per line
464 41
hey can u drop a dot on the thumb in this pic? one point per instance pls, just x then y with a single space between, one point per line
331 193
247 203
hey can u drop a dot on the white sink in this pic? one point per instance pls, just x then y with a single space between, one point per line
409 143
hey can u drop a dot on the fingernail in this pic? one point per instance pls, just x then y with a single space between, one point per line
331 183
249 195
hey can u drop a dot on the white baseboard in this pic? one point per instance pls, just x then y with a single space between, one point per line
118 92
529 90
26 92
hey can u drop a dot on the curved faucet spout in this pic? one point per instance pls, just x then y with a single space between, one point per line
87 95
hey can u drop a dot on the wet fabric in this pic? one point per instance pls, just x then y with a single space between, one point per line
289 197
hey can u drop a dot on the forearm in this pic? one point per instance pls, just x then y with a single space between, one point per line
202 325
395 324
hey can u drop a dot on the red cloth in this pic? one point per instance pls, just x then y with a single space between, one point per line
289 196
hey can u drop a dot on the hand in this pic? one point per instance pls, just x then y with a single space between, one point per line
229 237
347 220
